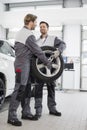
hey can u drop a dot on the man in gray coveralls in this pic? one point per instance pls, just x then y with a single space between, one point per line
47 40
25 46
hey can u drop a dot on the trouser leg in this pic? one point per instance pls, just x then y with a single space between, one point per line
51 96
14 103
25 103
20 85
38 97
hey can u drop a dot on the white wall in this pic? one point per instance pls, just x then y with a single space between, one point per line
2 30
53 17
72 37
2 7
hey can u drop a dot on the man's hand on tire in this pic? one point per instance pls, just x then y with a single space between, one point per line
56 53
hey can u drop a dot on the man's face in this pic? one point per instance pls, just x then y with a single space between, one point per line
33 25
43 28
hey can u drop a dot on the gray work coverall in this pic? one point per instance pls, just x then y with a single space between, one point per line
54 42
25 46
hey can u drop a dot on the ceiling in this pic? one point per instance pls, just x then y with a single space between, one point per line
24 1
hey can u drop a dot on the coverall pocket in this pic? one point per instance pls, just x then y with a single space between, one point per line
18 76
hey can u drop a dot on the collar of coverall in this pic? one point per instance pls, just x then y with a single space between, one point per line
45 36
26 27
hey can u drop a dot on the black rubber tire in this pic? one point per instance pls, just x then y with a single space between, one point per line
39 75
2 93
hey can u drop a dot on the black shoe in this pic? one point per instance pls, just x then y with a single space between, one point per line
29 117
56 113
15 122
37 116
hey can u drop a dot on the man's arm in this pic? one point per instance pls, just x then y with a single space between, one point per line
36 50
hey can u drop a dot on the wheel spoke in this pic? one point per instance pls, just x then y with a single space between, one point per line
40 66
48 72
55 66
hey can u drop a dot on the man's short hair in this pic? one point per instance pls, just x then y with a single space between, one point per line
44 23
28 18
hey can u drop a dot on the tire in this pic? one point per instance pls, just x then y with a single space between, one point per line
2 93
42 73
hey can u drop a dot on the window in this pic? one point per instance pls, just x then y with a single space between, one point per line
6 49
84 58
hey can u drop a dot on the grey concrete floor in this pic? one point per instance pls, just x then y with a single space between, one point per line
73 106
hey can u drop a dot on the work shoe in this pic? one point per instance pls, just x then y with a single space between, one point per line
55 113
29 117
15 122
37 116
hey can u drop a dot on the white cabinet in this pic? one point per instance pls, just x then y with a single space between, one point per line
68 79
